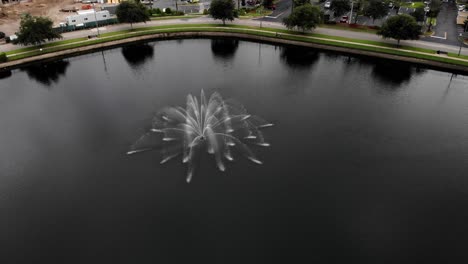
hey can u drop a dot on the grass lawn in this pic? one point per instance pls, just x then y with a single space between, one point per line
346 27
174 17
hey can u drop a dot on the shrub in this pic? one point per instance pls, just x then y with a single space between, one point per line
168 11
2 35
242 12
3 57
157 11
206 11
179 13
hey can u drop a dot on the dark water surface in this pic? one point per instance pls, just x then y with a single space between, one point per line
368 160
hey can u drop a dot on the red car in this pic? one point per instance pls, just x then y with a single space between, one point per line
272 7
344 19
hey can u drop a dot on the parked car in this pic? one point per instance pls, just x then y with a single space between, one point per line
427 9
390 5
327 4
344 19
461 7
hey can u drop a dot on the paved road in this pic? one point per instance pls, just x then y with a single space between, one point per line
249 22
283 9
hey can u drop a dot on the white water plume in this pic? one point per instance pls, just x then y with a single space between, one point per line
215 125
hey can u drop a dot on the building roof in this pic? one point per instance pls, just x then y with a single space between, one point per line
462 17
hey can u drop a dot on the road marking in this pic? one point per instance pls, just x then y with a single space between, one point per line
275 16
445 36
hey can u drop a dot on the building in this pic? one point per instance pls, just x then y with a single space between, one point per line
86 16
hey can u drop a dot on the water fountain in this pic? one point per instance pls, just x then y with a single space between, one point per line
214 124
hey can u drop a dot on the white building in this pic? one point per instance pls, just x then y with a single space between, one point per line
86 16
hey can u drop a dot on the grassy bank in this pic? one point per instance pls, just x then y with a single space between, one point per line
341 42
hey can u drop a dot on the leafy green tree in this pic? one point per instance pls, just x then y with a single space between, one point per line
435 7
340 7
304 17
223 10
300 2
132 12
400 27
418 14
397 4
376 9
36 30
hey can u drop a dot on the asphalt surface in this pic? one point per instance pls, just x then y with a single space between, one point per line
446 30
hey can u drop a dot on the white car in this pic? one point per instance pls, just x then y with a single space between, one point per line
427 9
327 4
461 7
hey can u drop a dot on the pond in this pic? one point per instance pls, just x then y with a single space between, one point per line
368 159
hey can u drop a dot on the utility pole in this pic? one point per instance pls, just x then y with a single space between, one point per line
95 19
351 14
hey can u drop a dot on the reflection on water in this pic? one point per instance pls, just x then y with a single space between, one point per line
224 48
393 72
137 55
5 74
299 57
47 73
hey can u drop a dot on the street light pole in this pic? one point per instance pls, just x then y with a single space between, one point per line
95 19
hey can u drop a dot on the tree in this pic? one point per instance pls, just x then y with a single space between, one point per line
418 14
397 4
223 9
304 17
36 30
131 12
340 7
376 9
435 7
268 3
300 2
400 27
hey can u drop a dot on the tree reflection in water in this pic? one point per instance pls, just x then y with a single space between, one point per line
394 73
299 57
5 74
136 55
47 73
224 48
